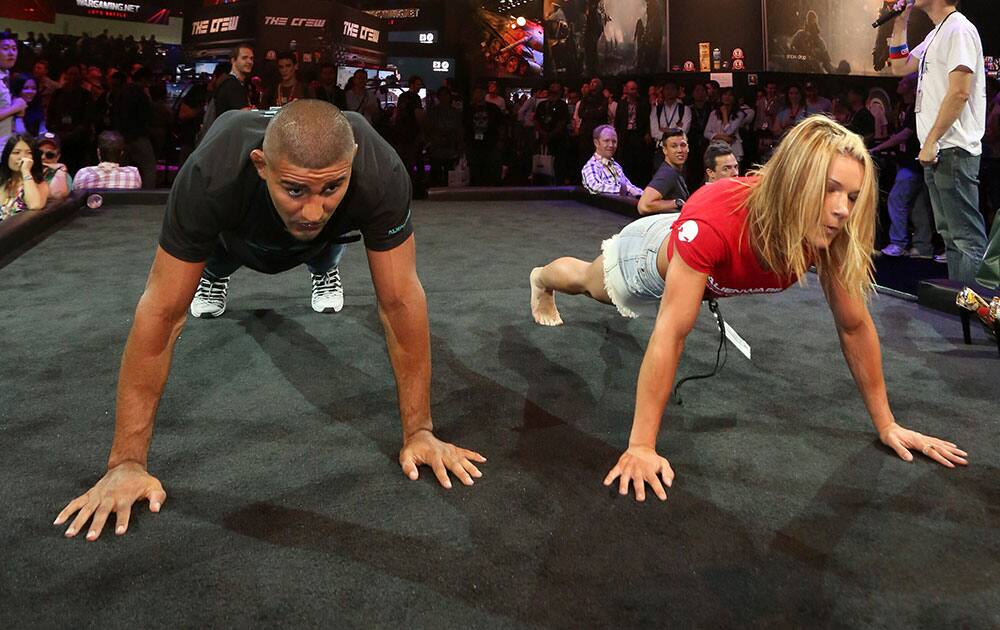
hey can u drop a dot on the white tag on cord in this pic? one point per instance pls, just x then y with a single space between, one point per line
738 342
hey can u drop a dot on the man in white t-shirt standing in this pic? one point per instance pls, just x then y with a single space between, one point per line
951 121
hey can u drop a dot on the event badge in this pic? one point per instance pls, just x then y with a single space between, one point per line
738 342
919 98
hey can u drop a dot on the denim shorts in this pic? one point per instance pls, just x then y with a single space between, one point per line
630 276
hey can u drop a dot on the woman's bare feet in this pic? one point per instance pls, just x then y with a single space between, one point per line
543 302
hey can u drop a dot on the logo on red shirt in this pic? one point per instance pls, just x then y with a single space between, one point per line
688 231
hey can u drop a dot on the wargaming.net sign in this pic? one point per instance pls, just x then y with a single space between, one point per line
131 11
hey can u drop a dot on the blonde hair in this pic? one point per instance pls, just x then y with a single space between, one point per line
786 206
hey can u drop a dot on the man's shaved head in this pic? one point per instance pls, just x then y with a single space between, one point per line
309 133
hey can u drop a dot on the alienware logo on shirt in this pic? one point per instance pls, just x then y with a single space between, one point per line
402 225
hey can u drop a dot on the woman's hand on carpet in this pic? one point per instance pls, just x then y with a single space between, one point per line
904 440
641 465
422 448
120 487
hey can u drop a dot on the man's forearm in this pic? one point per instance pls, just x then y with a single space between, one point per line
896 139
951 109
407 336
143 374
13 110
660 205
903 65
864 358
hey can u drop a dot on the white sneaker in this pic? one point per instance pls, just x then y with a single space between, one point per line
894 251
327 292
210 298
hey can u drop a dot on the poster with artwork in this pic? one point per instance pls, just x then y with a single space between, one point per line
506 46
605 37
832 36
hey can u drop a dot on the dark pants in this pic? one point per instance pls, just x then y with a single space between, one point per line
222 264
484 166
953 187
908 203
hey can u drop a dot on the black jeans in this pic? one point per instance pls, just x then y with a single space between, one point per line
222 264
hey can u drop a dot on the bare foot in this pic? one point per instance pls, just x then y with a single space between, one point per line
543 302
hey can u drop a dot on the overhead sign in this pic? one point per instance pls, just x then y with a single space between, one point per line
133 11
394 14
222 24
228 24
319 28
364 33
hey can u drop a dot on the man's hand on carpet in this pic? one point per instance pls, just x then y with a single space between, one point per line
422 448
120 487
904 440
641 465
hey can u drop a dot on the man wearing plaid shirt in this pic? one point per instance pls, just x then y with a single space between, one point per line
108 174
601 174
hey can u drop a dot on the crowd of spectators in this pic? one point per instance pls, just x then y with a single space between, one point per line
483 136
76 126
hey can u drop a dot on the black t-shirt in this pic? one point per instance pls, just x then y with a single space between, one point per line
194 99
132 113
218 195
552 116
483 123
669 183
231 94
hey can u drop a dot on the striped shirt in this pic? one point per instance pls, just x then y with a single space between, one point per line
606 176
107 175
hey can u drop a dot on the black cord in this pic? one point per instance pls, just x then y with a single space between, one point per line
721 354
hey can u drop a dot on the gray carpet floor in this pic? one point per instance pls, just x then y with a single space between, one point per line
278 432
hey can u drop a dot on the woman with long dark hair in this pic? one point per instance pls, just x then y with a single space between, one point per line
725 121
32 119
22 185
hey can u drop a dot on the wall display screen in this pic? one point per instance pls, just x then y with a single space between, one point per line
433 71
375 77
832 36
414 37
992 65
723 36
606 37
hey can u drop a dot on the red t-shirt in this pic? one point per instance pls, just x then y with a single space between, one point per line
711 238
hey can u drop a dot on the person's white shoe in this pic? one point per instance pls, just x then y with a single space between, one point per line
210 298
327 292
894 251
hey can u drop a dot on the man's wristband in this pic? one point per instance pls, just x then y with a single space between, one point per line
899 52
